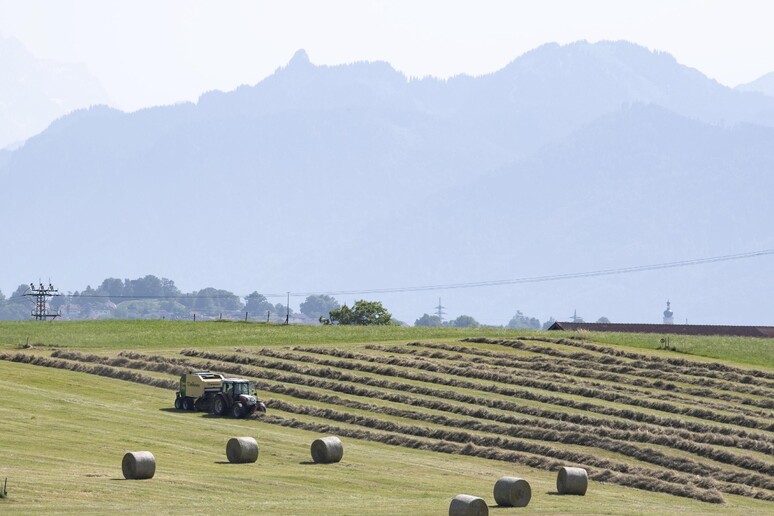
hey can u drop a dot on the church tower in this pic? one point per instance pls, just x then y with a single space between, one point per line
669 315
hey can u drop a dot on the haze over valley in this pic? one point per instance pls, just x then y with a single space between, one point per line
354 178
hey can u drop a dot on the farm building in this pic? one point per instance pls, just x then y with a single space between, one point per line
676 329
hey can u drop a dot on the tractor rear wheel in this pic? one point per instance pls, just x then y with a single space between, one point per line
188 404
218 406
178 403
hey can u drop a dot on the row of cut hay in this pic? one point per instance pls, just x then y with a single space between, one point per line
678 439
658 379
573 434
144 381
743 373
689 372
563 386
518 426
692 468
518 445
95 369
440 361
91 369
645 455
610 354
262 365
615 357
673 383
120 361
644 482
620 387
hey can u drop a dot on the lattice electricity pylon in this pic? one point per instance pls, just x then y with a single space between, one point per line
42 294
439 310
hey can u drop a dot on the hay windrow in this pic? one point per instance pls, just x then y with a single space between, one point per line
710 369
511 444
261 367
559 387
601 475
99 369
530 428
473 401
667 383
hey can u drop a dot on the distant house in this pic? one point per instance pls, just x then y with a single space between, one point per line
675 329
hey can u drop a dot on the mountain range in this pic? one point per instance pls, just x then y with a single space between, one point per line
33 92
354 179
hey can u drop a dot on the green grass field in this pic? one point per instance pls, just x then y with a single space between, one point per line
449 414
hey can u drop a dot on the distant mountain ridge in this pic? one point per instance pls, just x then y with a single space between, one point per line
33 92
337 178
764 84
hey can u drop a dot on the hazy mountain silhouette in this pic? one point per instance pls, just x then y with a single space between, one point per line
577 157
763 85
34 92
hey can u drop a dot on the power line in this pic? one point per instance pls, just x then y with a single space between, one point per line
554 277
452 286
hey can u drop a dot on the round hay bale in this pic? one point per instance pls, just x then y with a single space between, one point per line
468 505
327 450
512 492
572 481
241 450
138 465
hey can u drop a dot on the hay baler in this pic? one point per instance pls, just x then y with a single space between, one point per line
212 392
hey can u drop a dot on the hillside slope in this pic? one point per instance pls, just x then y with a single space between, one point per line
657 432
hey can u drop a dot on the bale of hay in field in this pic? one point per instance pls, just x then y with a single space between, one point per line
468 505
138 465
512 492
573 481
241 450
327 450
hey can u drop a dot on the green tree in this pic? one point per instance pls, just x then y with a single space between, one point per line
257 304
362 313
550 322
113 288
212 301
522 322
14 310
18 294
465 321
318 306
603 320
429 320
282 310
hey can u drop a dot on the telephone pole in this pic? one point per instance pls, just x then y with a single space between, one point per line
42 294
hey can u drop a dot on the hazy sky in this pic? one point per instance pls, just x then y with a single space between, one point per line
150 52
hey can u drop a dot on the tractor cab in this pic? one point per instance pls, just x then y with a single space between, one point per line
241 397
237 387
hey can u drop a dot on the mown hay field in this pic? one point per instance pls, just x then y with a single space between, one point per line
423 416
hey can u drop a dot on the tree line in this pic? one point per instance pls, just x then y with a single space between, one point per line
150 297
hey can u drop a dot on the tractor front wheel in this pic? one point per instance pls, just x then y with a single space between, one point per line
236 410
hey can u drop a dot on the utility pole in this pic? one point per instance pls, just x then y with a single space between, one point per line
287 314
439 310
42 294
